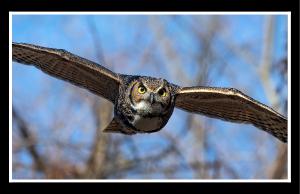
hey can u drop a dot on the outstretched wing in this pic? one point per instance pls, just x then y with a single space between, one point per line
232 105
69 67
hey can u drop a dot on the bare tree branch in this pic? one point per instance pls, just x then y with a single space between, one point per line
29 141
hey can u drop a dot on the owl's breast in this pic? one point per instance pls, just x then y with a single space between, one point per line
147 124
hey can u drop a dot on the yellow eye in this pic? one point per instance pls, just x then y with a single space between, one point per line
141 89
162 92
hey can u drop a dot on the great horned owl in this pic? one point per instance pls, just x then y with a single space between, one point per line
144 104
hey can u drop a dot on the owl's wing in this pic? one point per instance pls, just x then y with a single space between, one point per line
69 67
232 105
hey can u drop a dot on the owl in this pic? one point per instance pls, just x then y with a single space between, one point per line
144 104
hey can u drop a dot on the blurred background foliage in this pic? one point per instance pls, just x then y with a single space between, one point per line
56 127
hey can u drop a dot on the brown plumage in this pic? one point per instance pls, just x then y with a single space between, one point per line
148 109
232 105
69 67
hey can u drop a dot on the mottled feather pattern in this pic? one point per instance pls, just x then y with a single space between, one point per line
116 126
232 105
69 67
123 108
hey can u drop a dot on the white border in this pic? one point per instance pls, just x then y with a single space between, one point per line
10 98
151 13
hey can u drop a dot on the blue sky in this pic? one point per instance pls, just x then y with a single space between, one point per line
118 35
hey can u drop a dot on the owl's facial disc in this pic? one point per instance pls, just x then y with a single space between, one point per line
150 98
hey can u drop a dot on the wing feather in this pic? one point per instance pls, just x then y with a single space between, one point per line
69 67
232 105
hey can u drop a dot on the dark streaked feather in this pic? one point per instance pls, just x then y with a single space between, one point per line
232 105
69 67
115 126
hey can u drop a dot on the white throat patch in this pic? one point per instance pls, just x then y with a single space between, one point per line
141 106
145 123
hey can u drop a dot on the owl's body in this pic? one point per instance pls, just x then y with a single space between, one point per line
147 112
145 104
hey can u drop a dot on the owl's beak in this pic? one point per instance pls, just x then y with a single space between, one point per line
151 98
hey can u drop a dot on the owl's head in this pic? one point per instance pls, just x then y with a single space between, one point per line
150 95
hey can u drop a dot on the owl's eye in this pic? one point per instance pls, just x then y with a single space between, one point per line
141 89
162 92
